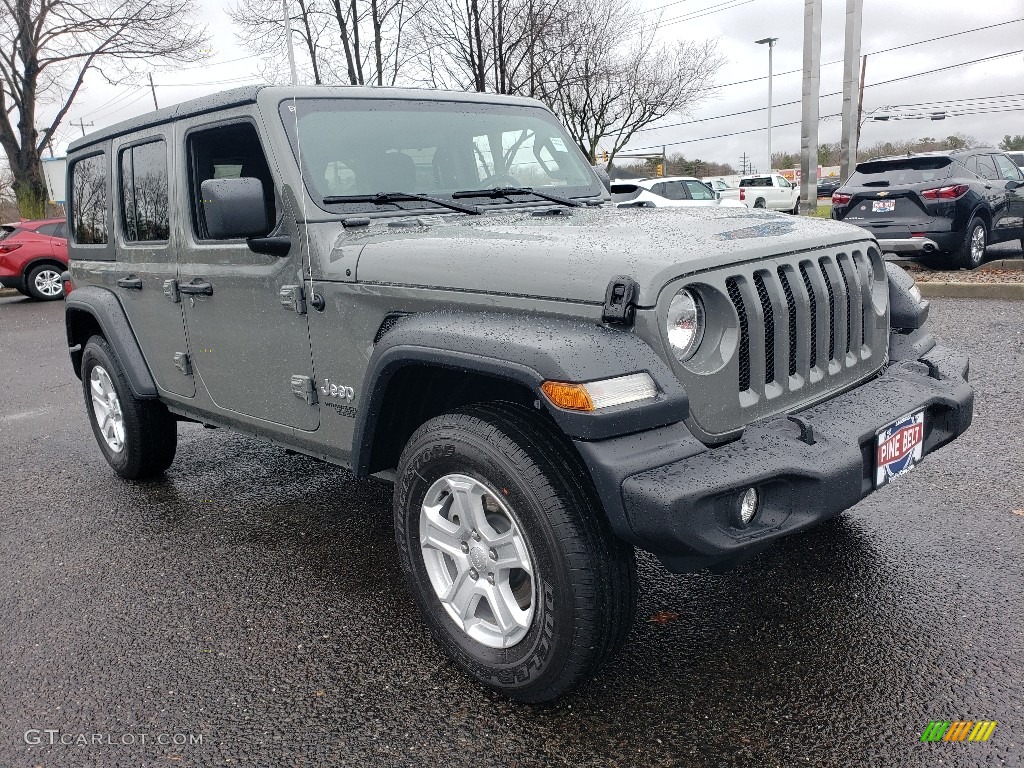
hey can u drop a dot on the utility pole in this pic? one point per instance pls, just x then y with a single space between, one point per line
851 125
860 97
288 39
81 125
809 116
770 42
664 161
153 89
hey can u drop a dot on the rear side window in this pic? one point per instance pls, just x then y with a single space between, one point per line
7 231
89 200
891 173
144 208
987 168
50 230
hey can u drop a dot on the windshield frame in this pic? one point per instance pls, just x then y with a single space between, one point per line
592 191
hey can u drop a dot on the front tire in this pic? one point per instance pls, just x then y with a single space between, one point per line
507 553
138 437
43 283
971 252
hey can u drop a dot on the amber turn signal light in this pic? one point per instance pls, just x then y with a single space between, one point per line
572 397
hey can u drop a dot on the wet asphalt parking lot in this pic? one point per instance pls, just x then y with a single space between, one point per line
250 603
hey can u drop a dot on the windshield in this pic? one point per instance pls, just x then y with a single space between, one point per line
364 147
912 170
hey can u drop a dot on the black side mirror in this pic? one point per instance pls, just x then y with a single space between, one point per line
234 208
1014 184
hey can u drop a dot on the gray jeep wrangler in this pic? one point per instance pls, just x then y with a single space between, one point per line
430 288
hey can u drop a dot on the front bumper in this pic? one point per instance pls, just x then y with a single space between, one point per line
666 492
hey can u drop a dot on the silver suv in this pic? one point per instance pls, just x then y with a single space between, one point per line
433 289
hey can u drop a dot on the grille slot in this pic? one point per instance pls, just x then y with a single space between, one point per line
744 351
849 311
769 328
814 314
791 306
831 311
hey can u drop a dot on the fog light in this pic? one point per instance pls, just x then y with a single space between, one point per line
748 506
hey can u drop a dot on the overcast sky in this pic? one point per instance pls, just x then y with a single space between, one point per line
736 24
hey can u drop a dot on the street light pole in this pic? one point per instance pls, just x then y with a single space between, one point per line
770 42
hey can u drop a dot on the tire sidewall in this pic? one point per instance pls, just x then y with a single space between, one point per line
541 654
971 229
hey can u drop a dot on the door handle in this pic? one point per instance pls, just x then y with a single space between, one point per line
196 287
131 282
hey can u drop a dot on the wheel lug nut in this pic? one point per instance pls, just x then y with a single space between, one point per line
490 577
473 574
465 547
493 554
476 535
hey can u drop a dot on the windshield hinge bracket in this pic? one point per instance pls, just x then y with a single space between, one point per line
293 298
620 300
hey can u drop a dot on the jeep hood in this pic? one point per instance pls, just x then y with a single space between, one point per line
572 257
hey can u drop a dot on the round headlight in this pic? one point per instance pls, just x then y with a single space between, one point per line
685 324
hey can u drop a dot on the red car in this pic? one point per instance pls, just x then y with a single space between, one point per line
32 256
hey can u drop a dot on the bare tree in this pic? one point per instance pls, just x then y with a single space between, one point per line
613 94
47 47
355 41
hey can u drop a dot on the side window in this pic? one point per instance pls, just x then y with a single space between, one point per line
89 200
47 229
61 230
144 206
987 168
674 191
226 152
698 191
1006 168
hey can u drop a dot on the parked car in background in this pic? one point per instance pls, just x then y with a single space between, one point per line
724 189
770 190
668 192
1017 157
828 185
32 256
946 206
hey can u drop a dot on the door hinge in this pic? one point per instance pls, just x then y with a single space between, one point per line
171 291
620 300
183 363
304 387
293 297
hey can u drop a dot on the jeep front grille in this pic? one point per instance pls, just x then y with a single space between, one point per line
805 325
827 284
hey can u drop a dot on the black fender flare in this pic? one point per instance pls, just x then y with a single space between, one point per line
105 308
527 350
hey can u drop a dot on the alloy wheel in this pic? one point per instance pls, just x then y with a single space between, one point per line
477 559
107 409
48 283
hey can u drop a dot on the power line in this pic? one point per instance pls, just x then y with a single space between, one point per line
784 125
707 12
876 53
827 95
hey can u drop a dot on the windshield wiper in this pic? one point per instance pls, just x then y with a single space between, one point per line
880 183
510 191
390 198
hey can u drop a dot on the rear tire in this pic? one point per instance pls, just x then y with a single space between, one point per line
503 462
43 283
138 437
970 254
759 203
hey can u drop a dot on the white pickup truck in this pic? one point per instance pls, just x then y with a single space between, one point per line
769 190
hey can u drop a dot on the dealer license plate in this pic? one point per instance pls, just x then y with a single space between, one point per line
883 206
898 448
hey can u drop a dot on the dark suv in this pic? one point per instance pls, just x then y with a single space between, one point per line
945 206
